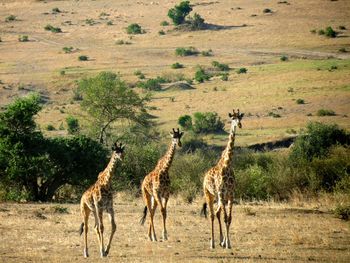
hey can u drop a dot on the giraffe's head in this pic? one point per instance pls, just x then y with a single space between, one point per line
236 118
119 150
176 135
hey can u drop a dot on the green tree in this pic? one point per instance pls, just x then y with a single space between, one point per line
108 99
179 12
206 122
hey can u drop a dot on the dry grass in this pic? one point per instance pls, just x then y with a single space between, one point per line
276 232
257 46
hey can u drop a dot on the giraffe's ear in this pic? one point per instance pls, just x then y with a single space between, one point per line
181 133
230 115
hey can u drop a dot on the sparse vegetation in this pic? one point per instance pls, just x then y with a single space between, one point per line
183 52
330 32
242 71
342 50
207 53
274 114
267 11
134 29
161 32
139 74
52 29
283 58
220 66
122 42
83 58
56 10
325 112
23 38
164 23
300 101
67 49
177 65
73 125
50 127
109 23
10 18
201 75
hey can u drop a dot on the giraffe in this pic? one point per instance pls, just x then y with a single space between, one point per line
156 187
219 183
99 197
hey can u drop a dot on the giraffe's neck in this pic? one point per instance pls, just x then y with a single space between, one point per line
168 158
226 158
106 175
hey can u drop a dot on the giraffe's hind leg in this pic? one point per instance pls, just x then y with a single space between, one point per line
151 206
228 219
110 212
218 216
210 201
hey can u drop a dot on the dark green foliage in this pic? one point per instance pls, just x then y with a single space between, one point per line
196 22
161 32
150 84
108 99
342 50
179 12
109 23
318 140
274 114
177 65
220 66
56 10
300 101
267 10
329 32
50 127
52 29
183 52
321 32
224 76
67 49
73 125
185 121
342 212
284 58
164 23
10 18
139 74
83 58
23 38
242 71
325 112
207 122
201 75
34 167
134 29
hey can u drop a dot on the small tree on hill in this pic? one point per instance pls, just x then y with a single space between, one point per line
179 12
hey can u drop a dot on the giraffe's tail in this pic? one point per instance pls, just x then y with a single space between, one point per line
143 218
81 229
204 210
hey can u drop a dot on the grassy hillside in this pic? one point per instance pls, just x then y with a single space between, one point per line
240 34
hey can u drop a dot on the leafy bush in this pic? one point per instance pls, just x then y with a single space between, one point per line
179 12
109 23
267 10
284 58
161 32
224 76
134 29
150 84
274 114
83 58
23 38
196 22
325 112
321 32
207 53
50 127
10 18
220 66
183 52
329 32
164 23
177 65
185 121
56 10
73 125
52 29
242 71
67 49
317 141
342 212
201 75
207 122
300 101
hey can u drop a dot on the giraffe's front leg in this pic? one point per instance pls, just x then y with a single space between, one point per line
110 212
164 215
99 229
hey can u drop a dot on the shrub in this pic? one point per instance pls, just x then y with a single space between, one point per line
177 65
300 101
330 32
317 141
342 212
224 76
67 49
182 52
77 95
207 53
56 10
274 115
325 112
83 58
161 32
90 21
196 22
52 29
207 122
73 125
164 23
23 39
139 74
134 29
284 58
179 12
321 32
220 66
201 75
150 84
342 27
267 10
342 50
109 23
185 121
242 71
10 18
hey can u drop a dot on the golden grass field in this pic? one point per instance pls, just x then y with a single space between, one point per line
247 38
268 232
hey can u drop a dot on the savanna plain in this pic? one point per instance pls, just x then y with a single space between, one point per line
286 61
